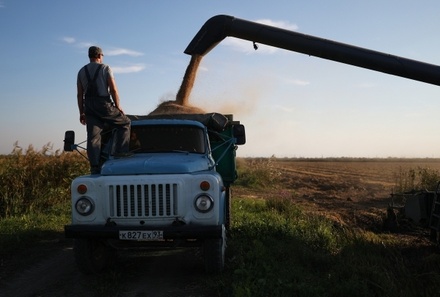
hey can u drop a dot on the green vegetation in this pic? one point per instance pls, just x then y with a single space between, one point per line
33 181
274 249
21 231
256 172
35 195
277 249
417 179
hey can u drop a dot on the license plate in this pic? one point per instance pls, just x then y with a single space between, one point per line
141 235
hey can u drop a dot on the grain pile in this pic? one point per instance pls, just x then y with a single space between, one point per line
181 104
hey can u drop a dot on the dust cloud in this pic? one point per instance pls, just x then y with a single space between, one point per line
243 100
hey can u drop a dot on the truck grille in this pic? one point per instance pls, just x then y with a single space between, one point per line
143 200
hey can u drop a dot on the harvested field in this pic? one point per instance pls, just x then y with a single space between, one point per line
354 193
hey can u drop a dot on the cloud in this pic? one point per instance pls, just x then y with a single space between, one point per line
247 47
202 68
278 24
78 44
122 51
128 69
84 44
69 40
107 52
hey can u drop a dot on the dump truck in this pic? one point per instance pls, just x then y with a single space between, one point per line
173 190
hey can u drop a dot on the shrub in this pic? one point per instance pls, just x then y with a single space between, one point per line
420 178
33 180
257 172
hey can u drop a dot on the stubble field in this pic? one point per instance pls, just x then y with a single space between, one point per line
355 192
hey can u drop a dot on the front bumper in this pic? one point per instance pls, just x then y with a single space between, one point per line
169 232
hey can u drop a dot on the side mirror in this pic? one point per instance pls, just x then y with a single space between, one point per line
69 141
239 134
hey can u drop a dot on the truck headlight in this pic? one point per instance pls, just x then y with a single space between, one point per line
84 206
204 203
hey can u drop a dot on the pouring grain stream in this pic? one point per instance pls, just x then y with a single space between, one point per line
181 104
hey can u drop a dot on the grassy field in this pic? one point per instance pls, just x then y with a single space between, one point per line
279 243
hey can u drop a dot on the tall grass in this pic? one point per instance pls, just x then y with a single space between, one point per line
419 178
257 172
32 180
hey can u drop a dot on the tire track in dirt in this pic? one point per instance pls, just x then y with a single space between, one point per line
45 278
163 273
159 273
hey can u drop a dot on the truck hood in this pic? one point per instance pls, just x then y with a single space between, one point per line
158 163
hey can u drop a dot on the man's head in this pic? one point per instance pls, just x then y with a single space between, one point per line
95 52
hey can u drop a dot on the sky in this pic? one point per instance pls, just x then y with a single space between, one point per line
292 104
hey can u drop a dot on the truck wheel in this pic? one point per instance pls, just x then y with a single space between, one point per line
214 253
228 208
92 256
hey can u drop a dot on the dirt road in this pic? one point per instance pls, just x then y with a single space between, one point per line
155 273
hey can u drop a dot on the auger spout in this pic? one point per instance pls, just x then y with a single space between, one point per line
221 26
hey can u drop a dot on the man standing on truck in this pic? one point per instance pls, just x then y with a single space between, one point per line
99 105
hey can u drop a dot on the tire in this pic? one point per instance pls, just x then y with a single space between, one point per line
92 256
228 208
214 253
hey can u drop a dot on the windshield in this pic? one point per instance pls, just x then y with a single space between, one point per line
167 138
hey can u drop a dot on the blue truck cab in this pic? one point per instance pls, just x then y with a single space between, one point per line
172 190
